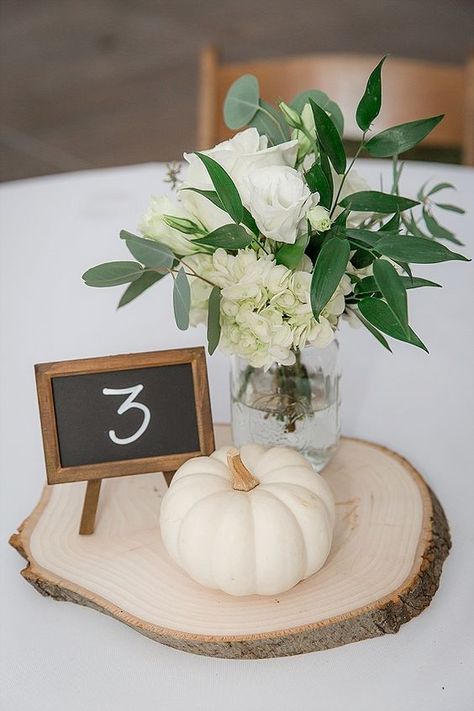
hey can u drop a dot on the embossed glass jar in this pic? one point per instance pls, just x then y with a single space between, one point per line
296 406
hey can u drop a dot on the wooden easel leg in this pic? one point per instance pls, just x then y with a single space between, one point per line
168 476
89 508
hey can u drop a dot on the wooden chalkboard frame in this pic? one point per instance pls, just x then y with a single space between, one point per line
45 372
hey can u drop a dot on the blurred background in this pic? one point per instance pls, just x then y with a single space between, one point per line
112 82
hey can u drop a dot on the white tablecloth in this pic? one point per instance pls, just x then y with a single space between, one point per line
59 657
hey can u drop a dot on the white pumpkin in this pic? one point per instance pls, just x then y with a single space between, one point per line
254 522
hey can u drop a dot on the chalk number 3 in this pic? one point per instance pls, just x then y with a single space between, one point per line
129 404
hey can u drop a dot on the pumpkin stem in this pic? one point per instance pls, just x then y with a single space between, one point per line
243 480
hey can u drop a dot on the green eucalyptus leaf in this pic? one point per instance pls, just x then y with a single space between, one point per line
271 123
230 237
321 99
241 102
214 320
368 285
380 315
181 300
375 201
402 138
328 271
369 106
329 138
317 182
415 250
144 282
224 187
112 274
393 290
150 253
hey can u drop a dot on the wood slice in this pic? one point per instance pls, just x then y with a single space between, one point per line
391 539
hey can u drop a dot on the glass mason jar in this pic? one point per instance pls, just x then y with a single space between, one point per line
289 405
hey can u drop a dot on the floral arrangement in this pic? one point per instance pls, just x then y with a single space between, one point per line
273 236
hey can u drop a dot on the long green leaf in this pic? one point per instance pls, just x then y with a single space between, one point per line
412 227
328 272
112 274
399 139
368 285
438 230
450 208
317 182
249 221
368 237
415 250
150 253
229 237
224 186
392 225
214 320
362 258
440 186
137 287
329 138
181 300
393 290
380 315
213 197
372 330
241 102
375 201
369 106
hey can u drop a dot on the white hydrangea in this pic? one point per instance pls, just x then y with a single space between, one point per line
265 308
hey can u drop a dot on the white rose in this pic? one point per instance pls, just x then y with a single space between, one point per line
246 150
319 218
154 227
278 198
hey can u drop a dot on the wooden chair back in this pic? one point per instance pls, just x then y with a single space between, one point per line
411 89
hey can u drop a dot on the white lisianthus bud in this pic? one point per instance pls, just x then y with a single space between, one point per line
319 219
292 117
305 144
181 224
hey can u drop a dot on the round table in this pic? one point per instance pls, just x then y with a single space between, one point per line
66 657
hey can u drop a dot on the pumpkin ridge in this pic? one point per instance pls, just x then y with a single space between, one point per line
193 475
191 508
306 541
252 516
298 527
286 484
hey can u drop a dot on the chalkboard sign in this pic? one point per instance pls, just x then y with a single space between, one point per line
122 415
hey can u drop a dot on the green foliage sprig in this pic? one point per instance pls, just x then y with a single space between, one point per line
398 233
